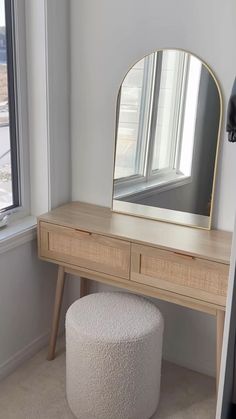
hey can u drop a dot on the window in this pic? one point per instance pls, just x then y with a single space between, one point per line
155 134
9 179
135 98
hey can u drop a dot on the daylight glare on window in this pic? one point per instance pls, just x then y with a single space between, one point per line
129 117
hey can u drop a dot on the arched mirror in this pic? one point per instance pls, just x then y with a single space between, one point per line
168 122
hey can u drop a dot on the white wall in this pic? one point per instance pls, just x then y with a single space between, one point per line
48 65
58 100
26 295
108 37
35 19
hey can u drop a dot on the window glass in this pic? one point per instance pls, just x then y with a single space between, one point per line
167 118
128 131
8 159
190 114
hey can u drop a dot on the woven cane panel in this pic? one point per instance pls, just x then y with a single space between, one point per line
191 275
101 254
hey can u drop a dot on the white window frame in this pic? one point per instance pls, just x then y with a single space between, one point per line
21 103
44 132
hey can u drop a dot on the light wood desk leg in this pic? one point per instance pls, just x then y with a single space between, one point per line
220 319
56 312
84 287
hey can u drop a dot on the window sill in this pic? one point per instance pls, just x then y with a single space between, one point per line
17 233
143 190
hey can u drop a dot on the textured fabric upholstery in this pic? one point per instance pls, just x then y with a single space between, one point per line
113 356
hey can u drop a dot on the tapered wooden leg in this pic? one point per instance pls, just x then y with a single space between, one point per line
56 312
220 319
84 287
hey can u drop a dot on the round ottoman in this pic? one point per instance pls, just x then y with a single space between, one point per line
113 356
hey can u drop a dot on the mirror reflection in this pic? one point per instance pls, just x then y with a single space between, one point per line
168 116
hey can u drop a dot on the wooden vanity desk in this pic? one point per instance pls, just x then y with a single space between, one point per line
182 265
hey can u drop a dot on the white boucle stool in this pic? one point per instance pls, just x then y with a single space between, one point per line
113 356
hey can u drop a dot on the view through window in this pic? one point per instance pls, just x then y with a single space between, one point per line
8 160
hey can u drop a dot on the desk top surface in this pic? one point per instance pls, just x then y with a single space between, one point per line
212 245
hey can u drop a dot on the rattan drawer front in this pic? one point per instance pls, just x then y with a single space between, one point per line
198 278
85 249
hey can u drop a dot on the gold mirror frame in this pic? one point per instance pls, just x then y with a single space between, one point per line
128 208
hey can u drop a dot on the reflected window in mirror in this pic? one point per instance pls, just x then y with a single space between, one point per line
161 130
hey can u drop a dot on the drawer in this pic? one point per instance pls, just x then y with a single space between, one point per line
84 249
186 275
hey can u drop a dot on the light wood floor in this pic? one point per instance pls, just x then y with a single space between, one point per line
37 391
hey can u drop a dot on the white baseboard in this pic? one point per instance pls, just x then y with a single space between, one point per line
23 355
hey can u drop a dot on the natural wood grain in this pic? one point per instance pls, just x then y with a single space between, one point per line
178 264
93 251
137 288
161 294
195 277
56 312
212 245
